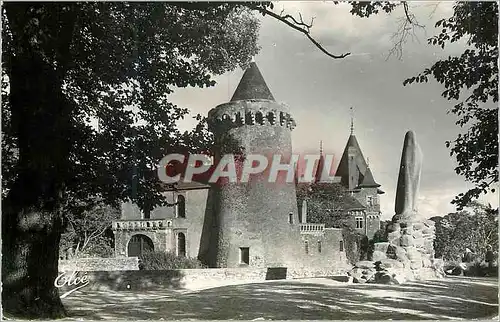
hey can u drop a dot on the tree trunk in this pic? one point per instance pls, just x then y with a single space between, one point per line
30 257
31 218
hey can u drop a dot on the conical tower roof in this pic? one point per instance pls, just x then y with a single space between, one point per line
352 164
368 181
252 86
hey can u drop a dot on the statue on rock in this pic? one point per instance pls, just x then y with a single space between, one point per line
408 253
409 180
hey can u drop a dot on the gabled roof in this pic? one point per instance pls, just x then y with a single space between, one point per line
252 86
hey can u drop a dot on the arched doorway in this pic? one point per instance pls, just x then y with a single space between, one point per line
181 244
139 244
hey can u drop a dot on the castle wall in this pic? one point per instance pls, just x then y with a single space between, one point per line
166 239
160 237
325 249
372 219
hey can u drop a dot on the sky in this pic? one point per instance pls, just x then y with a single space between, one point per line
320 90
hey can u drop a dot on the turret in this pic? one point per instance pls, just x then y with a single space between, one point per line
256 221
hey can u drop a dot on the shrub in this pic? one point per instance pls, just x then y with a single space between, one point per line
480 269
378 237
355 245
167 260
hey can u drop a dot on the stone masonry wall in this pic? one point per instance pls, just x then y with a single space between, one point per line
166 239
141 280
323 250
407 256
99 264
161 239
255 214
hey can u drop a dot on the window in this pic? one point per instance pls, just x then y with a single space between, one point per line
306 247
319 247
245 255
369 201
181 244
147 214
359 222
341 246
290 218
181 206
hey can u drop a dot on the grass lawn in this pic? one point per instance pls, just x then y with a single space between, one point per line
322 298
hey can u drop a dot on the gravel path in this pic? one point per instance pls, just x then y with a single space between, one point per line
308 299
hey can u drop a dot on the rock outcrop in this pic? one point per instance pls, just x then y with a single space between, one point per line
409 252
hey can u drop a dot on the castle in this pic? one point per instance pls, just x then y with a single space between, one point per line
253 224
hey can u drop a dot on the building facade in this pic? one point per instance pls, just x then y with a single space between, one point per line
255 223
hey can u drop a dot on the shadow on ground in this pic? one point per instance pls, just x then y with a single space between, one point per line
450 298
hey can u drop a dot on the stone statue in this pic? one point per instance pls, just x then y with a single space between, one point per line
409 180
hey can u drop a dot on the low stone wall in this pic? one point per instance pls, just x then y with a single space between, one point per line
190 278
293 273
99 264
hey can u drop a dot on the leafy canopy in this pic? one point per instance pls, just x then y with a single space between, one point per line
474 228
326 203
88 223
118 63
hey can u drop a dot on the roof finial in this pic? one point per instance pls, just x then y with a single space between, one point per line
321 147
253 59
352 121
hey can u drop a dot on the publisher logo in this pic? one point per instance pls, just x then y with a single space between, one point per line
74 281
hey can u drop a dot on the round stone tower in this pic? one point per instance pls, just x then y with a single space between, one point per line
256 222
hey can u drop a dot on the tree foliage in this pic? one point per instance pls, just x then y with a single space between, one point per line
475 228
330 204
85 234
86 112
470 80
118 63
326 203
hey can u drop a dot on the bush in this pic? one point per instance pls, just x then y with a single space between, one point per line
379 237
167 260
480 269
355 245
474 269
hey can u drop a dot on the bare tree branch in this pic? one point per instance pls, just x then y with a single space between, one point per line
298 25
407 28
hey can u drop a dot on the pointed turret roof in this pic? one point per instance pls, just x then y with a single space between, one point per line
368 181
353 169
252 86
352 161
